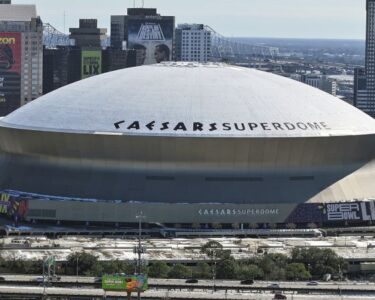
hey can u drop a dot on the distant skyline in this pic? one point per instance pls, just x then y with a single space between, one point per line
322 19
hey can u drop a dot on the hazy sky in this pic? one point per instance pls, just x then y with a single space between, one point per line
338 19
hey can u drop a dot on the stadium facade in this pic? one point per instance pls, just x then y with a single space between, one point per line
188 143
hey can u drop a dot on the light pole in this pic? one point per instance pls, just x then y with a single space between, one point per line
77 269
214 270
139 249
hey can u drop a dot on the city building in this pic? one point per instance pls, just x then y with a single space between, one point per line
21 52
322 82
193 43
369 106
253 148
67 64
146 31
88 34
360 90
62 66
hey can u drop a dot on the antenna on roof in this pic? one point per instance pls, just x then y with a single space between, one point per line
64 21
143 3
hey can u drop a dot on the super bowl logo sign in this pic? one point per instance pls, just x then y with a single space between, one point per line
150 32
360 211
13 207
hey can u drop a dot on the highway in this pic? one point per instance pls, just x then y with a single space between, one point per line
338 288
31 293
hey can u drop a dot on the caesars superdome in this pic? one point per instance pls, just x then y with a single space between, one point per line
185 143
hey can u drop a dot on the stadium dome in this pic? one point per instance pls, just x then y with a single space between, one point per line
249 102
178 133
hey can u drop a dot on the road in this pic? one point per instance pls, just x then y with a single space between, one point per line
220 285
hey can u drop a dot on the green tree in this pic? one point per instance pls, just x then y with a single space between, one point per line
273 266
179 271
250 271
202 271
88 264
320 261
159 269
297 271
116 266
214 250
227 269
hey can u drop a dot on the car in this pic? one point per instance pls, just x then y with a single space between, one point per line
274 286
247 281
312 283
279 296
192 280
39 279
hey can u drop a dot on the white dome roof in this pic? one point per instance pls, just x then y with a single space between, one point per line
185 99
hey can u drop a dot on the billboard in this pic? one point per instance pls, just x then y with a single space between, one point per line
129 283
10 71
91 63
153 37
13 206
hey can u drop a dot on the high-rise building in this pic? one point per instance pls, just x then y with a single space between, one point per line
360 90
68 64
369 105
88 34
146 31
21 56
193 43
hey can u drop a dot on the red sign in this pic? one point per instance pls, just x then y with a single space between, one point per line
10 51
10 71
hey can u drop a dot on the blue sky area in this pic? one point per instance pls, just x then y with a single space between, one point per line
338 19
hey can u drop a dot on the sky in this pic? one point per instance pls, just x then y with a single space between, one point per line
328 19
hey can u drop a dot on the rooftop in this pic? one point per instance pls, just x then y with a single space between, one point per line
17 12
190 99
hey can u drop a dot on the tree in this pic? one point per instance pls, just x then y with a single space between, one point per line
116 266
227 269
214 250
202 271
87 264
179 271
297 271
249 272
320 261
159 269
273 266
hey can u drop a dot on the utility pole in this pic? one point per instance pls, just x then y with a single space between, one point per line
214 271
139 250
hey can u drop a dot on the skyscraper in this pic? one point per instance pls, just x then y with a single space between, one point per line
146 31
193 43
21 55
360 91
369 106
